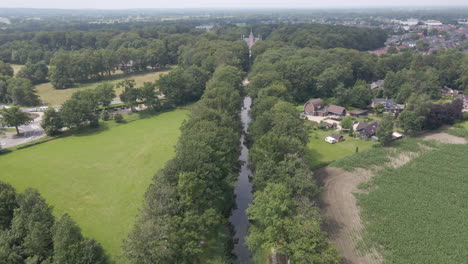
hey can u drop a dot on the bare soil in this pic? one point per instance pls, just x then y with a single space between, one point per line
342 213
443 137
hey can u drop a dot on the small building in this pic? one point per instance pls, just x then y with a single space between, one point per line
336 110
337 137
397 135
314 107
358 113
447 91
367 130
388 104
379 84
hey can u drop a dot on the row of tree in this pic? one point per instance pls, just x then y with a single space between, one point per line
29 233
188 204
284 217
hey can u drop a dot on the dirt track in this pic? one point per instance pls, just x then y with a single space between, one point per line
339 206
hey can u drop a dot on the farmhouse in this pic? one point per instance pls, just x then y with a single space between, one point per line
315 107
389 105
446 91
367 130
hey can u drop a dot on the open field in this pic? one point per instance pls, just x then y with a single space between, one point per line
98 177
409 203
322 153
50 96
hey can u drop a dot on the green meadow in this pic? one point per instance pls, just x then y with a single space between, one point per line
99 177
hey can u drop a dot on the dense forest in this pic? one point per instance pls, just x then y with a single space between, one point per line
345 74
29 233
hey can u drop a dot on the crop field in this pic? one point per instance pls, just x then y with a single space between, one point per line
99 177
321 153
50 96
417 213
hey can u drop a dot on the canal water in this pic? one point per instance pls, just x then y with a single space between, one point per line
243 192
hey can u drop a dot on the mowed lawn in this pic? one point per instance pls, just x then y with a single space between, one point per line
418 213
51 96
98 178
321 153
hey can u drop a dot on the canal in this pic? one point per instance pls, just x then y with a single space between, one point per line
243 192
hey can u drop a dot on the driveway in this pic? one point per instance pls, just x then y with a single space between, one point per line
29 133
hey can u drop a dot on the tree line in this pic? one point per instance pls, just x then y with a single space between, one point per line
30 234
283 215
187 206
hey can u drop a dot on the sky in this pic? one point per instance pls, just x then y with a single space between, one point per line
126 4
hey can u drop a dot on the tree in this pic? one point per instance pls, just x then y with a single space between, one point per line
6 69
7 205
148 95
130 93
392 50
385 130
104 93
22 92
51 121
75 112
14 117
347 123
35 72
379 108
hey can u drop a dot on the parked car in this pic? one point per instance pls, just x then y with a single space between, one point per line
330 140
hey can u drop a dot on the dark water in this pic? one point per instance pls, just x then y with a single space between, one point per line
243 193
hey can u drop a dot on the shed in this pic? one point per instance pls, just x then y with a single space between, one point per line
337 137
358 112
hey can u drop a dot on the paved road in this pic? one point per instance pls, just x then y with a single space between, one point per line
29 132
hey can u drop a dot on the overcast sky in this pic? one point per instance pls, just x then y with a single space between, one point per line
124 4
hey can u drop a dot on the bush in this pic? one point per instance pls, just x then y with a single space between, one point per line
118 118
105 115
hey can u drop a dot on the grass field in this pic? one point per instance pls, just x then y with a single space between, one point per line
417 213
98 177
50 96
321 153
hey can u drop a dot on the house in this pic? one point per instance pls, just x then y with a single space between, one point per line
315 107
367 130
377 84
337 137
336 110
389 105
358 113
446 91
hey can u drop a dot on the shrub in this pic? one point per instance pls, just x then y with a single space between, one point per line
118 118
105 115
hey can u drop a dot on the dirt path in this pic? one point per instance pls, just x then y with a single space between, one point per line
338 205
443 137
